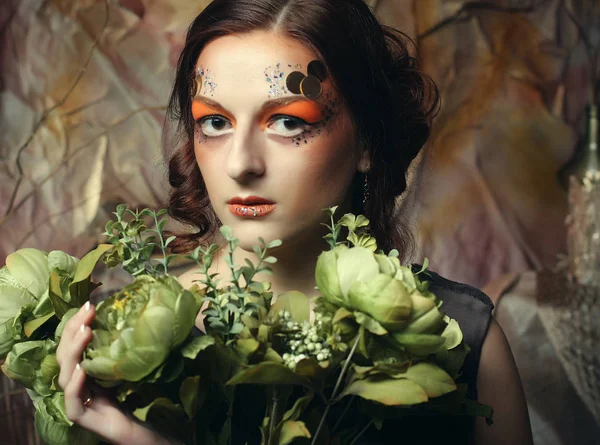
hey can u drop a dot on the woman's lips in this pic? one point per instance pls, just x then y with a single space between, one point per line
251 211
251 207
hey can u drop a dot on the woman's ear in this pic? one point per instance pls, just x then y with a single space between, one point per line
364 161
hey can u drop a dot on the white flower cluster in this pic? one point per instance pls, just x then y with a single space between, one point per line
303 340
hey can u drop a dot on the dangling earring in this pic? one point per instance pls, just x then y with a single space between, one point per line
365 190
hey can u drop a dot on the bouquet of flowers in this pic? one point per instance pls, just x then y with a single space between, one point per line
374 341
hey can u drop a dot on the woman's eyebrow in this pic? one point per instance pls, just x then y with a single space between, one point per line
213 105
282 102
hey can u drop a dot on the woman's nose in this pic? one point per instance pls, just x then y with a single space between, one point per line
245 159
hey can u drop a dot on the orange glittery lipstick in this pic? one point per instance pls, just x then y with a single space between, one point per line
250 207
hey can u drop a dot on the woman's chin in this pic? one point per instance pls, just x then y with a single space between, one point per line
249 234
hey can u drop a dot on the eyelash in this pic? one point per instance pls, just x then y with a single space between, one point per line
302 124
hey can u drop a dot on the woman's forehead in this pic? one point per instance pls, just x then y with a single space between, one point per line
253 60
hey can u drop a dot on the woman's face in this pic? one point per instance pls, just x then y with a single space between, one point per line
271 159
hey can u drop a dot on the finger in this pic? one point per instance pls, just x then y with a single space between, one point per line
99 416
84 316
72 354
74 394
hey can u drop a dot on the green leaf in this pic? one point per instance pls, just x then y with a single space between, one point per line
296 303
274 243
54 428
33 364
161 404
362 221
473 408
452 334
419 344
394 253
33 325
225 433
60 303
13 299
341 314
349 221
452 360
269 373
188 394
57 259
370 324
227 233
30 268
244 348
120 211
196 345
236 328
291 430
8 335
298 408
434 380
89 261
425 266
387 391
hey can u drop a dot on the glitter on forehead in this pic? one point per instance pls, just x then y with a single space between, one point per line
274 77
208 85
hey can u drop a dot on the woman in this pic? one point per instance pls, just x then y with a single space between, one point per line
287 107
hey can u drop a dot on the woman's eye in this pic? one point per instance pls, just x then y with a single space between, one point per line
213 126
287 126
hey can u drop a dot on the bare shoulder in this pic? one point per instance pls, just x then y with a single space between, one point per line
499 386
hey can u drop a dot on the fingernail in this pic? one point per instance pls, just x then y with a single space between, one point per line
82 328
87 306
78 367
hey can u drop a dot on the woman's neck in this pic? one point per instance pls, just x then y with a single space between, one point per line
294 269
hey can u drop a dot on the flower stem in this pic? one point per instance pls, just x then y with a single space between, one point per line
337 385
339 421
362 432
279 400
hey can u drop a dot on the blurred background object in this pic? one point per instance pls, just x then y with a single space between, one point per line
83 92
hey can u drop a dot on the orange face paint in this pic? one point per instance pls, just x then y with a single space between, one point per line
202 109
307 110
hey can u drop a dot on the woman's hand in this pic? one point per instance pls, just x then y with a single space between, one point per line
93 412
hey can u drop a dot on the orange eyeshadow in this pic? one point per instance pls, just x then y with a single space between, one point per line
305 110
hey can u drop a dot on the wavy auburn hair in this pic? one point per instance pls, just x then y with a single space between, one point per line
391 102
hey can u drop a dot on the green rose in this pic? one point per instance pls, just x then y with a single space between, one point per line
25 291
381 288
359 280
33 364
136 328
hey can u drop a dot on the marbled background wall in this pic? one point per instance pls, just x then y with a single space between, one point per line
84 86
